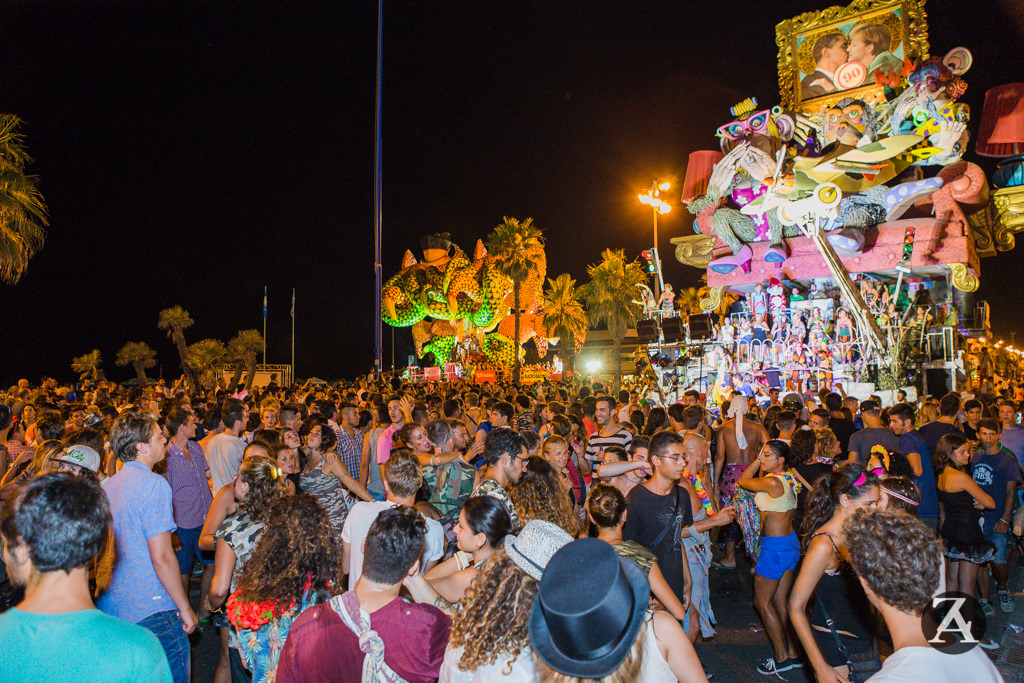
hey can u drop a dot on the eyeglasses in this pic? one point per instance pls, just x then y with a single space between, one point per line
673 458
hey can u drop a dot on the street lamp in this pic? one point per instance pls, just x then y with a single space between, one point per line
652 199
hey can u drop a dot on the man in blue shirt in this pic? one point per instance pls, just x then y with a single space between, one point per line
145 587
913 445
997 473
52 531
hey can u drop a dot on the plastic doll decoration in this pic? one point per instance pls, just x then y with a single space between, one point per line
777 301
667 300
797 330
758 301
796 295
844 332
850 122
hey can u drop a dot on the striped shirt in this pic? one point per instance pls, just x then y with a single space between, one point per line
597 443
350 450
190 492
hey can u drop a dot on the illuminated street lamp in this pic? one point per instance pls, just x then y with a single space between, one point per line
652 199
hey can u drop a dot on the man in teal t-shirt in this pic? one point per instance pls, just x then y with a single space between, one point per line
56 526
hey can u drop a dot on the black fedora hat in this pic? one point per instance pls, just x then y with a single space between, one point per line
582 632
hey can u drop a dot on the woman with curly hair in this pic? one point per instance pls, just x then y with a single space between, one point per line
258 485
489 639
542 494
840 628
960 498
293 567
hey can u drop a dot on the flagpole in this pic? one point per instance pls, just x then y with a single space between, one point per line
293 335
377 200
264 324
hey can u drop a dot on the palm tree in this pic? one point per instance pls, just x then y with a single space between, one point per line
140 356
207 358
22 211
244 348
175 320
88 365
611 297
562 314
689 301
519 251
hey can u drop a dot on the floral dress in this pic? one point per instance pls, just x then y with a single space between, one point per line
262 634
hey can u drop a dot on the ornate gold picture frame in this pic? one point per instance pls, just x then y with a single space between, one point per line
828 55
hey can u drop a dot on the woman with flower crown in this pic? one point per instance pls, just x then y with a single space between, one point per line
775 485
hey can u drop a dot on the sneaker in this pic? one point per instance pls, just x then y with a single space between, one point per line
987 644
770 667
986 607
794 663
1005 602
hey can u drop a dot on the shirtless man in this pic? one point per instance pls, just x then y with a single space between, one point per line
737 444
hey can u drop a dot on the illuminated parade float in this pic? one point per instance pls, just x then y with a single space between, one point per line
843 223
841 231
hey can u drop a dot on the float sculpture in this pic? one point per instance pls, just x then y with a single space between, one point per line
460 307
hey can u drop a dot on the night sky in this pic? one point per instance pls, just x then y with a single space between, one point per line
191 153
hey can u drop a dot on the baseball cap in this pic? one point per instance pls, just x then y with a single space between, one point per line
82 456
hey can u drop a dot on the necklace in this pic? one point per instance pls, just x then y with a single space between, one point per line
705 499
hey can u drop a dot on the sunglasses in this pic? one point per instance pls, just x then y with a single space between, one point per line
736 130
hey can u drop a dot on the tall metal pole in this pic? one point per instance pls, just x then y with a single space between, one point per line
293 335
377 195
657 260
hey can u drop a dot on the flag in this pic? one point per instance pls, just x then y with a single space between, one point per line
293 302
264 302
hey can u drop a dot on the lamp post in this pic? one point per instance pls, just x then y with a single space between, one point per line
652 199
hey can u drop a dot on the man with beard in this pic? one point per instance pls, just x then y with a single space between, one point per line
504 464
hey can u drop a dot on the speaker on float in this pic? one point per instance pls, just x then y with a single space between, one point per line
673 330
700 327
647 331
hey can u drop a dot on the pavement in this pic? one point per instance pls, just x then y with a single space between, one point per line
733 654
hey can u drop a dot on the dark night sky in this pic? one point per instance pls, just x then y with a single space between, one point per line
193 152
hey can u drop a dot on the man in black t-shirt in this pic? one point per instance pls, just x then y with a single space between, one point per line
838 423
659 510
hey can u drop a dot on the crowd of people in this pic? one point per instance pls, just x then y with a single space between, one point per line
385 531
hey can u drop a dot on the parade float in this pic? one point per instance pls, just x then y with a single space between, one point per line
844 218
460 311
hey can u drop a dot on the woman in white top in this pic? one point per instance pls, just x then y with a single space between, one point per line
489 639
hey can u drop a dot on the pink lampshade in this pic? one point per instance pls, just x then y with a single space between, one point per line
1002 122
698 172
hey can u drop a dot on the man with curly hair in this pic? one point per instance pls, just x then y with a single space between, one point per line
899 562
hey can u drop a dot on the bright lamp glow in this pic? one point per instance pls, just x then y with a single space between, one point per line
665 185
664 208
593 365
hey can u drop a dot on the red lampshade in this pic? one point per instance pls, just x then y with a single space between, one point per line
1002 122
698 172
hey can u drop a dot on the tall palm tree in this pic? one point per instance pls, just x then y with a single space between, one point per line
244 349
207 358
175 320
88 365
140 356
689 300
22 211
611 297
563 316
519 251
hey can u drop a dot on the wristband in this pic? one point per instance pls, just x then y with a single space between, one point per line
433 461
1003 521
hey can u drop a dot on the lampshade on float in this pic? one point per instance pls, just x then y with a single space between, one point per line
1002 122
698 172
1002 133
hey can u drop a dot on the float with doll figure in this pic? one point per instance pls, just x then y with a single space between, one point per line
845 219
